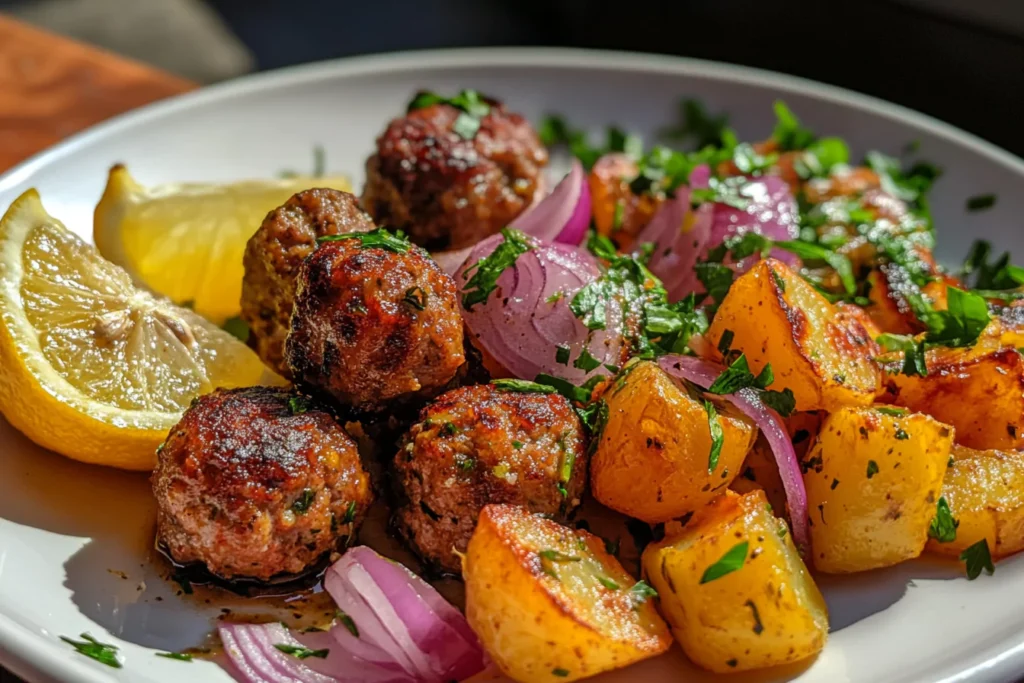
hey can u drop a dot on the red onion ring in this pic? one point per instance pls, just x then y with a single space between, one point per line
405 633
683 236
564 215
703 373
521 327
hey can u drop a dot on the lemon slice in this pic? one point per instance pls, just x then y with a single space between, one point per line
91 366
186 241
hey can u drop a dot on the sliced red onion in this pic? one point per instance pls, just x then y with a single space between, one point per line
564 215
683 236
526 319
703 373
771 211
403 632
680 236
256 659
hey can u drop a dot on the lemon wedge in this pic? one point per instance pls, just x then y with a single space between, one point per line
91 366
186 241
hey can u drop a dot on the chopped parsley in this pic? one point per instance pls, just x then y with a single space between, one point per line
977 558
104 653
237 328
180 656
518 445
549 558
379 238
347 622
943 526
730 562
998 275
297 405
717 435
300 652
416 297
302 503
472 105
901 434
450 429
350 513
641 592
486 271
891 411
789 134
586 362
872 468
562 354
523 386
697 125
608 583
561 673
981 202
738 377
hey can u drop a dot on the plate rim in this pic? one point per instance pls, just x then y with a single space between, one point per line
37 658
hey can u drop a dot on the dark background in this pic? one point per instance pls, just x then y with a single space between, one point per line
961 61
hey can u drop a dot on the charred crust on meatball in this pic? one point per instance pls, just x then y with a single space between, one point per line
478 445
446 191
274 254
257 483
357 338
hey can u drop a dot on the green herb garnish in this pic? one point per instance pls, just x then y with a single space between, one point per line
104 653
607 583
416 297
180 656
730 562
981 202
347 622
486 271
302 503
522 386
297 405
472 105
977 557
562 354
872 468
379 238
300 652
586 362
717 435
943 526
641 592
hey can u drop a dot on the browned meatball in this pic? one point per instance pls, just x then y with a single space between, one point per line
257 483
372 325
273 256
478 445
446 191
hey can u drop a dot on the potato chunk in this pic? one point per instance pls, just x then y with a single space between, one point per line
765 612
550 604
873 480
651 461
824 357
985 493
978 390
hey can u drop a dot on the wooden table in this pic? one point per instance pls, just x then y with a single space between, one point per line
51 87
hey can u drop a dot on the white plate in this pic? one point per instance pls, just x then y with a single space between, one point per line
64 525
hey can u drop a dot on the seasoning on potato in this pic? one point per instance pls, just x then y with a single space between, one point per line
550 604
653 460
732 585
873 480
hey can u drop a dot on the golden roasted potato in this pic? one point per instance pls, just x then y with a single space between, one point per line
826 359
850 313
651 459
985 493
978 390
888 289
873 478
550 604
735 590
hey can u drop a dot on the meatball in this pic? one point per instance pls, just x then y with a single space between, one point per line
446 191
478 445
256 483
273 256
372 325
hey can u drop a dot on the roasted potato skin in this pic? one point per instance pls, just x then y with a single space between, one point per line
826 359
538 629
978 390
985 493
651 460
767 612
889 287
873 480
